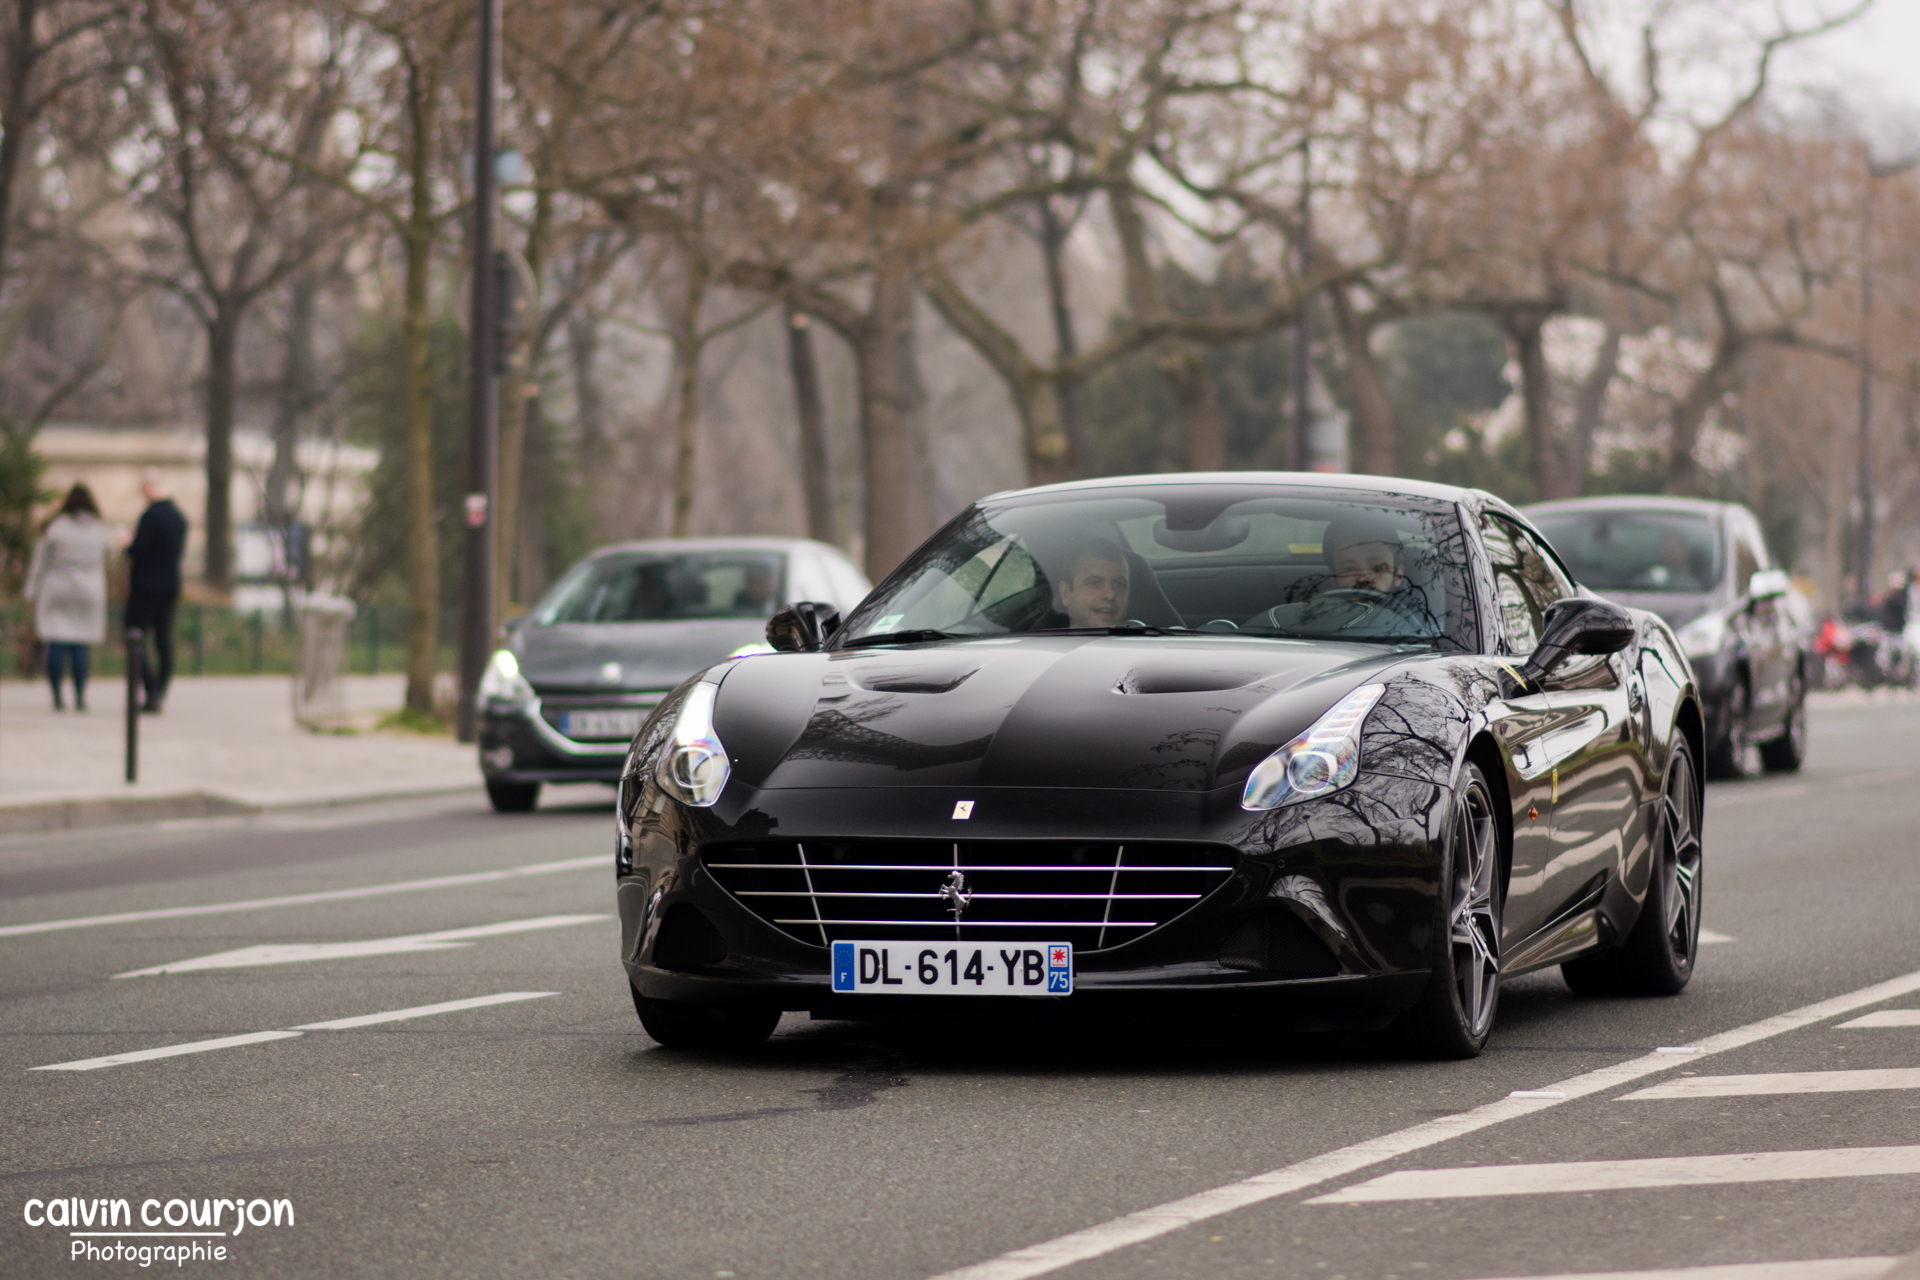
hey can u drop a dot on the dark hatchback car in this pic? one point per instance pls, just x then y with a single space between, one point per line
1704 567
563 698
1270 746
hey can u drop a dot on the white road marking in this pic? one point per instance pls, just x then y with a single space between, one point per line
1476 1181
1148 1224
301 899
261 1037
422 1011
1888 1018
297 952
1780 1082
1708 937
1809 1269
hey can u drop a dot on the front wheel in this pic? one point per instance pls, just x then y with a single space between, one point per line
1455 1013
513 797
1657 958
684 1026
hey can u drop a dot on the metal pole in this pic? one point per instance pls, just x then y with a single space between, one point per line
373 640
1303 328
476 629
136 654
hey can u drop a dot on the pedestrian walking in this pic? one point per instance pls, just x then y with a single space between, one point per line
67 583
153 586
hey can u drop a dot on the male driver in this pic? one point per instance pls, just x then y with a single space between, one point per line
153 584
1094 592
1363 557
1365 591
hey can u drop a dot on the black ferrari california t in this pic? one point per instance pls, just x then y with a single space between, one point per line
1309 750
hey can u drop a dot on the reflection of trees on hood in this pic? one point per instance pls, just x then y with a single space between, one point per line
845 738
1412 731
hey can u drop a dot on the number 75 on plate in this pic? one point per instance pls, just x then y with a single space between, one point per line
922 969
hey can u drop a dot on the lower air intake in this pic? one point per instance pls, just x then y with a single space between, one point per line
1094 896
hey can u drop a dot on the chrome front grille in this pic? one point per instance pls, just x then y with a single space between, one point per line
1094 895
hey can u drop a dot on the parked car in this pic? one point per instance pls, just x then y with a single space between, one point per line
1332 750
565 695
1704 567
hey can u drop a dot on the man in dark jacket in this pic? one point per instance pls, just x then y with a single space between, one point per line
153 588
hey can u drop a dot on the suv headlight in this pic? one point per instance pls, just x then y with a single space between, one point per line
694 768
1319 762
1704 636
503 682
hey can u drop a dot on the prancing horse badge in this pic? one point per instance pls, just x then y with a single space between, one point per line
962 810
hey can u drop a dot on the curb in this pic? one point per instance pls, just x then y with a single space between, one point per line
41 816
1908 1268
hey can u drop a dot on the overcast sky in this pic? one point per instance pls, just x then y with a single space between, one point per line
1875 64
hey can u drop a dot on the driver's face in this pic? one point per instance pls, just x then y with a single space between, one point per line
1366 564
1096 594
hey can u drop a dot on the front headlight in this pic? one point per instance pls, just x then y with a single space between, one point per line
1704 636
503 681
694 767
1319 762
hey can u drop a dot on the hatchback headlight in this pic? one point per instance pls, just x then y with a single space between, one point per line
503 682
1704 636
694 768
1319 762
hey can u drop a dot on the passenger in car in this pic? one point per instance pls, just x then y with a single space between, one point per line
1365 589
1094 592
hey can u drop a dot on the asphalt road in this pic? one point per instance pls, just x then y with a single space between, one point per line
546 1135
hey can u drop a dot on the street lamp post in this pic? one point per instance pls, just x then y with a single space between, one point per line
476 622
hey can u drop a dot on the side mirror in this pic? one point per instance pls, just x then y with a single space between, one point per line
1769 584
1578 626
511 625
803 627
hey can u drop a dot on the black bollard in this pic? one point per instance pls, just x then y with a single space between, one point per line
136 651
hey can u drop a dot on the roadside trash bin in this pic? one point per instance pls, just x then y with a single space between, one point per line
320 662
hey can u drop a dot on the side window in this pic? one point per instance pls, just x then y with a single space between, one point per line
1526 581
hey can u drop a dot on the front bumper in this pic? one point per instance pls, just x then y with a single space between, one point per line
518 745
1358 871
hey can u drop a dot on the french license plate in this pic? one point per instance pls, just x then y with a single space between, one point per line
601 724
953 969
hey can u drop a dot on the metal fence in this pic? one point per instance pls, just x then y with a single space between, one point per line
215 640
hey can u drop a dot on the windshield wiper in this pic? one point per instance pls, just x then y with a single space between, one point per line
901 637
1123 629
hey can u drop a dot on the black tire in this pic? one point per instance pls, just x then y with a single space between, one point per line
513 797
683 1026
1455 1014
1658 956
1786 753
1727 758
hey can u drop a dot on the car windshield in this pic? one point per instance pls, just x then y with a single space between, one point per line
1271 561
660 587
1636 550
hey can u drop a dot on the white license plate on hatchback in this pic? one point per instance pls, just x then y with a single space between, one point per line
601 724
953 968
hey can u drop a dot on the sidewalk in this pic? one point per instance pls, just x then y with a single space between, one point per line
225 744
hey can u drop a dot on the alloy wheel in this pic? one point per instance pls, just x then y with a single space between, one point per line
1680 821
1474 919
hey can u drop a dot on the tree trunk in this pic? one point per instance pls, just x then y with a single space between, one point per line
223 340
423 548
589 414
1066 343
1587 411
531 551
1373 416
1690 414
1202 427
816 461
23 55
891 399
511 428
296 394
1524 331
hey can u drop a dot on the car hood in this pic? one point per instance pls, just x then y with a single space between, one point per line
1675 610
1163 714
574 658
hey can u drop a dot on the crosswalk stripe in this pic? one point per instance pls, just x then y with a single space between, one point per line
1888 1018
261 1037
1626 1175
1780 1082
1808 1269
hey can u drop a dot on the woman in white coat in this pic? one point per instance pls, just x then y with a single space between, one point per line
67 583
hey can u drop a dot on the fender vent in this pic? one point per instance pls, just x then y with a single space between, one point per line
688 942
1277 943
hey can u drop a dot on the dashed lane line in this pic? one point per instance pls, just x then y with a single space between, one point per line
1779 1082
301 899
1152 1223
301 952
261 1037
1477 1181
1807 1269
1888 1018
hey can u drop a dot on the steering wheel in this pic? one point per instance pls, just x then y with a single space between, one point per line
1354 595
